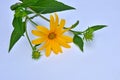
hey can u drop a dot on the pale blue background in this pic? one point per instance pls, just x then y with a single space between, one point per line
100 61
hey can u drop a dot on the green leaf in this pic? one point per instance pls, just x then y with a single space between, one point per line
46 6
78 41
74 25
18 25
14 38
28 3
97 27
28 12
19 30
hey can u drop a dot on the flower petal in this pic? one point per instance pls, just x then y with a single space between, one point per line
62 23
58 47
56 20
38 33
42 29
48 50
62 42
67 38
38 41
54 47
47 42
51 23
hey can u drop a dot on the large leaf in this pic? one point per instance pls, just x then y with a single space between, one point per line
14 38
18 25
78 41
96 27
27 3
46 6
19 29
30 1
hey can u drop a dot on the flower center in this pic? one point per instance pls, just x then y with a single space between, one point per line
51 35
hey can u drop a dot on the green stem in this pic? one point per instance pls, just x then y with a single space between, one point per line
28 36
29 40
32 21
33 16
44 18
77 32
38 14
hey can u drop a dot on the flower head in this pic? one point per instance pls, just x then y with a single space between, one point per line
53 38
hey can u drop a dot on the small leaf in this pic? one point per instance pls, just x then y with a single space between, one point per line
97 27
14 38
46 6
74 25
78 41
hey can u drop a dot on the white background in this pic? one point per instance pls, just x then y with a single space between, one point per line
100 60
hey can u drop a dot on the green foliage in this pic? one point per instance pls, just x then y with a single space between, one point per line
88 33
78 41
45 6
18 25
14 38
28 3
19 29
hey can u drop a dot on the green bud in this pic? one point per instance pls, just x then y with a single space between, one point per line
88 35
36 55
20 12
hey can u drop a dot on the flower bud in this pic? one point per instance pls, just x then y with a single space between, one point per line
36 54
88 35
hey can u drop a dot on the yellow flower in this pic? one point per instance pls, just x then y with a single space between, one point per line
53 38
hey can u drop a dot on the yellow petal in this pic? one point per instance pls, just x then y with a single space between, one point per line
38 41
67 38
51 23
54 47
42 29
58 47
62 42
57 20
47 42
62 23
38 33
48 50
